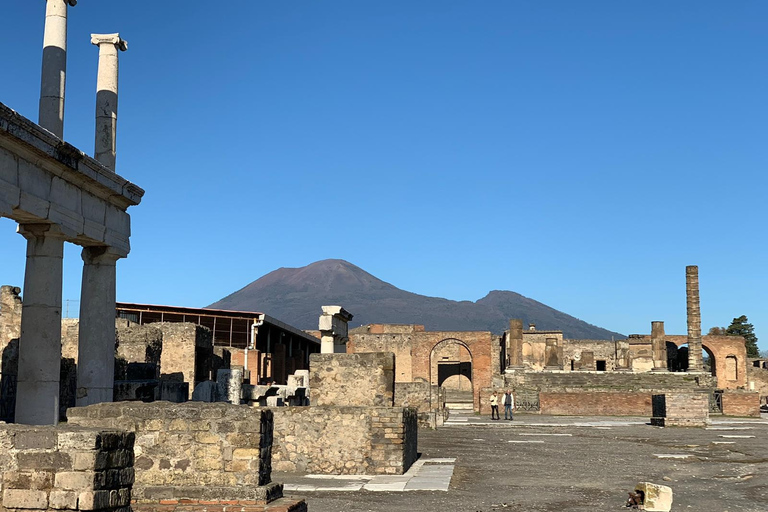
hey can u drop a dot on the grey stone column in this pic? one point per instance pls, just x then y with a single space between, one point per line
54 72
96 344
37 397
334 330
659 346
515 346
695 364
106 97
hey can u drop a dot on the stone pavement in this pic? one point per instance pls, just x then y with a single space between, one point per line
424 475
548 463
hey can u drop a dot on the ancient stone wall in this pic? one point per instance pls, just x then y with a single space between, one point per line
596 403
399 343
182 343
429 401
758 380
741 403
193 450
345 440
352 379
64 468
680 409
611 353
598 381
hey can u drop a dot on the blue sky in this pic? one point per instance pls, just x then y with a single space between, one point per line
580 153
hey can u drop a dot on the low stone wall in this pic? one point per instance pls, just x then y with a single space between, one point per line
596 403
345 440
64 468
741 403
193 451
428 400
352 379
680 409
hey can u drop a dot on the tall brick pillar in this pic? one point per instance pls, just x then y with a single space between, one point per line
659 346
695 364
515 344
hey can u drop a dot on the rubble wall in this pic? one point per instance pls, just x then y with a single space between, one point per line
345 440
193 450
65 468
352 379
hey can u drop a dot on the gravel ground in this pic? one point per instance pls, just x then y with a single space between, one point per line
590 470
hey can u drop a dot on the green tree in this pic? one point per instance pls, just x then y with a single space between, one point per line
741 327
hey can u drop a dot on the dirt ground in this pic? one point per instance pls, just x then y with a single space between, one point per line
592 469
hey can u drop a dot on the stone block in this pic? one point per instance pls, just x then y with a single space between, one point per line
34 480
25 499
44 460
93 500
75 480
35 440
63 500
657 498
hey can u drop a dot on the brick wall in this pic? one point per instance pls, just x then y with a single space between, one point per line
64 468
193 450
741 403
680 409
345 440
596 403
352 379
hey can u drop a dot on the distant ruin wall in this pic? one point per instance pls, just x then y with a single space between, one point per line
352 379
345 440
193 450
680 409
65 468
741 403
596 403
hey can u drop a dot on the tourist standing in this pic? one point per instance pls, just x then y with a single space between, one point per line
495 406
509 403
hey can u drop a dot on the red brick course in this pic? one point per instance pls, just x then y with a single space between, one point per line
183 505
596 403
742 403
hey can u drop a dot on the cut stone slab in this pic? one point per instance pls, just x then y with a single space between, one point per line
658 498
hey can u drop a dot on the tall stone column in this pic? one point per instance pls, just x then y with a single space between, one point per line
515 346
334 330
37 395
695 363
106 97
96 344
659 346
54 72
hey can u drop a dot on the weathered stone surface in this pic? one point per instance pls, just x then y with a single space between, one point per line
658 498
352 379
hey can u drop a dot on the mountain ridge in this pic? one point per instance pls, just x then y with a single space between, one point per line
294 295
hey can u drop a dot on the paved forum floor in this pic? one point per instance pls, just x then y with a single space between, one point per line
547 463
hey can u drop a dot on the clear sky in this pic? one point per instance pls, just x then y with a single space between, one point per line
580 153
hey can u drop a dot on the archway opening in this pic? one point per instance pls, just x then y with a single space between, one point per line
677 358
451 365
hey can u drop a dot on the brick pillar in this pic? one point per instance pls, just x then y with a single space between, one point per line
695 364
515 343
659 346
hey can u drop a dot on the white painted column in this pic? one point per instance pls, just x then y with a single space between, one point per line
96 344
54 72
37 396
106 97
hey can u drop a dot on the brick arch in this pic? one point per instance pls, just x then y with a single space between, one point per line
719 348
455 341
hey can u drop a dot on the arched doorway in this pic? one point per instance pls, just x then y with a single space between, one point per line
677 358
450 368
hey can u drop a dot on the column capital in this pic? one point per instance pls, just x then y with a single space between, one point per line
101 255
29 231
115 39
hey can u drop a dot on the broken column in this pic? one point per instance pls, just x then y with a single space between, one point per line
515 345
54 72
37 399
334 331
96 344
659 346
695 363
106 97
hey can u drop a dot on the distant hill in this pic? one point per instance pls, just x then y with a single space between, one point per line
294 295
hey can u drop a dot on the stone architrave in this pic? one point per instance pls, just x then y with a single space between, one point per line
334 330
37 401
659 346
695 363
54 71
106 97
515 346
